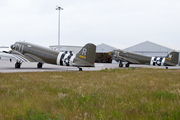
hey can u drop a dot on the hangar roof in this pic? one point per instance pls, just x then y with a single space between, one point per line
148 47
103 48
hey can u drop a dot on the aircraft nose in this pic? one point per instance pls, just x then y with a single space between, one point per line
111 53
12 47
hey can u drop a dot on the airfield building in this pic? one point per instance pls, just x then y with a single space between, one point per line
63 48
150 49
4 48
102 55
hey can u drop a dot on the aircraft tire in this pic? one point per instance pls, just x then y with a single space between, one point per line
17 65
127 65
39 65
80 69
120 64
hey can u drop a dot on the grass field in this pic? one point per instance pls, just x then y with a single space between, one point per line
108 94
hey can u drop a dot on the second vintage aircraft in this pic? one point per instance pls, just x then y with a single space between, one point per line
128 58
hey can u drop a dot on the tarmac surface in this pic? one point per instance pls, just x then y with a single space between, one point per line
9 67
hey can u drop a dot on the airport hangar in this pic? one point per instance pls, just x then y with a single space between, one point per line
102 50
4 48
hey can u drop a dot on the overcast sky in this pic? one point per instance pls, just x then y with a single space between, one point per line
119 23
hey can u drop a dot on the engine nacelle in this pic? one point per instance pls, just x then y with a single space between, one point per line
157 61
65 58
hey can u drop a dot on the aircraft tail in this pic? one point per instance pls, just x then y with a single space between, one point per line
86 56
172 59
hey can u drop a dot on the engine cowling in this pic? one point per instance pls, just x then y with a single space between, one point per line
159 61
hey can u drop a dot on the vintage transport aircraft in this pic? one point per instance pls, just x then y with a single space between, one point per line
28 52
128 58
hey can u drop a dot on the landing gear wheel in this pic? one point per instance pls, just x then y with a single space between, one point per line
120 64
80 69
127 65
166 67
17 65
39 65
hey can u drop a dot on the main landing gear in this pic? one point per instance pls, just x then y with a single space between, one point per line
80 69
121 64
18 64
39 65
127 64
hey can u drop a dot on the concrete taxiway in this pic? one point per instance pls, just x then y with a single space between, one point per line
9 67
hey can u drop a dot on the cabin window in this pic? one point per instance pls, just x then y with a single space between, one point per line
49 56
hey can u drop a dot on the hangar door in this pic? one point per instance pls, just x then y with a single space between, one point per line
103 58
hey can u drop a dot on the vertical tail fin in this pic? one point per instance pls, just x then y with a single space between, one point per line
86 56
172 59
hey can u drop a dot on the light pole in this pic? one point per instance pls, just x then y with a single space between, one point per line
59 8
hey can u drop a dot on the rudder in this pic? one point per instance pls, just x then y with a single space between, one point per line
172 59
86 56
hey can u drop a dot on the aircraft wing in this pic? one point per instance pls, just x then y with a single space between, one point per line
14 55
33 57
130 60
5 56
124 59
